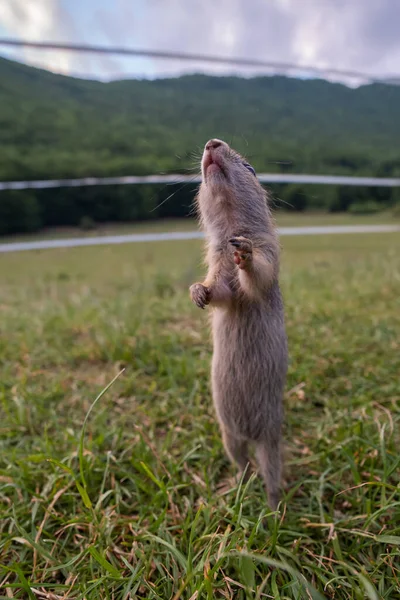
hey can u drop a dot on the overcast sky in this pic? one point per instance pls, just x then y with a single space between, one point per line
361 35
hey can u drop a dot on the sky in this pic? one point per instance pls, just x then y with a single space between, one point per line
359 35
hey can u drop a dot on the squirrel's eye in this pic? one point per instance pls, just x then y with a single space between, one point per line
249 168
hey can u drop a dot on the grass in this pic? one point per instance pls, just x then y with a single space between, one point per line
132 497
284 219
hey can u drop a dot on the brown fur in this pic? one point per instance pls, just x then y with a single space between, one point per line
250 350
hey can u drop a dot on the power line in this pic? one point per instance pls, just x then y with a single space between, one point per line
177 179
171 55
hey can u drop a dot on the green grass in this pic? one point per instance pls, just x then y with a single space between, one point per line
284 219
142 502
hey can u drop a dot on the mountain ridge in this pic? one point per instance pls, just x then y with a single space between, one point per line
54 125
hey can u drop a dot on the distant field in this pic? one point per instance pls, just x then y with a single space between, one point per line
283 219
161 515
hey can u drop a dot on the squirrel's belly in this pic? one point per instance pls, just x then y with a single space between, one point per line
248 370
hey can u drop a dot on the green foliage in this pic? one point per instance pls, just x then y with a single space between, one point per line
365 208
20 211
87 224
52 126
295 197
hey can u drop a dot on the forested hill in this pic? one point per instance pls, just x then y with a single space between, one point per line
57 126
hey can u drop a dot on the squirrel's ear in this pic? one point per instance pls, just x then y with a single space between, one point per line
249 168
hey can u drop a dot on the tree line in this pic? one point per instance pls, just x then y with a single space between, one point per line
30 211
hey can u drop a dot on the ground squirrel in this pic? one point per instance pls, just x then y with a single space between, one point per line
249 362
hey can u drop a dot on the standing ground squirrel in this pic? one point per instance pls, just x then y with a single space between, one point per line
250 359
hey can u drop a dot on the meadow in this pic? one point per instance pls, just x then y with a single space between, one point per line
131 496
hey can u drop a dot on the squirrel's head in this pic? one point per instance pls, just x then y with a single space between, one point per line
230 188
220 163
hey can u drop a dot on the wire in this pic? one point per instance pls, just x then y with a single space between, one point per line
161 54
187 179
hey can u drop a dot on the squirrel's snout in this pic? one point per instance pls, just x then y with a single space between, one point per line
213 144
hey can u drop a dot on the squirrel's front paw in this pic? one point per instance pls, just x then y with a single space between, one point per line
200 295
243 253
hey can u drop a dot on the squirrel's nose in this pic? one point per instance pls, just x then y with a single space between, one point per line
212 144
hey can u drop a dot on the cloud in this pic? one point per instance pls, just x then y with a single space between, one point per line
38 20
358 35
361 35
228 28
49 20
